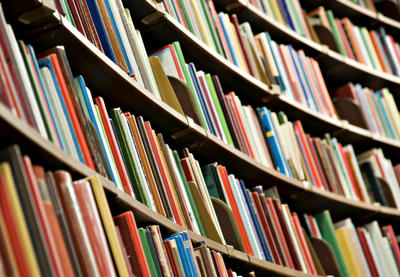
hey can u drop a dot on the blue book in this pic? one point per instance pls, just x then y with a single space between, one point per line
393 63
307 84
49 103
286 13
101 29
89 107
189 250
46 62
273 141
261 238
275 56
118 35
228 39
384 114
183 254
293 56
203 103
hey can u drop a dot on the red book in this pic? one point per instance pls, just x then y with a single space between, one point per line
235 22
7 94
12 228
44 221
267 230
349 172
291 74
171 257
71 111
389 233
316 161
129 233
286 232
94 227
163 173
303 243
308 154
174 56
344 39
374 39
123 248
278 228
224 176
53 221
114 146
73 7
367 252
241 122
323 89
179 12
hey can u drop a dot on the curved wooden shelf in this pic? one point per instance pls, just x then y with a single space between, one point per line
332 63
53 158
357 14
181 131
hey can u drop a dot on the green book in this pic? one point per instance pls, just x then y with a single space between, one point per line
370 48
189 82
67 11
36 89
188 192
127 155
282 118
335 31
325 226
295 14
187 17
211 27
214 186
149 252
378 111
218 107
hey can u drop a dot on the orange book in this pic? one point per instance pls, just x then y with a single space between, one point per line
381 59
54 224
44 221
71 111
130 236
235 209
353 41
349 172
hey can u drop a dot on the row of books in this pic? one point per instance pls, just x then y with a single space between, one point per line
109 26
374 111
298 76
64 108
51 225
368 4
367 250
373 48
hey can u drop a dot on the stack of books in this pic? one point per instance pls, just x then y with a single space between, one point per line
51 225
373 110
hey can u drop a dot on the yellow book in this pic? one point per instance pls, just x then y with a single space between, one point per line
275 9
348 253
268 8
108 223
23 232
200 16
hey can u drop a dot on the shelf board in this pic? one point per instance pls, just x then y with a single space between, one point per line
184 132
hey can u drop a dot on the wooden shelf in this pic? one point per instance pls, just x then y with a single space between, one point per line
357 14
47 154
337 69
182 132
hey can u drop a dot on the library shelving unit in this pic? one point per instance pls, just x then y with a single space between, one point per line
41 26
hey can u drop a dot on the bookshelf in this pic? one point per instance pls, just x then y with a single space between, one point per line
184 132
90 62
